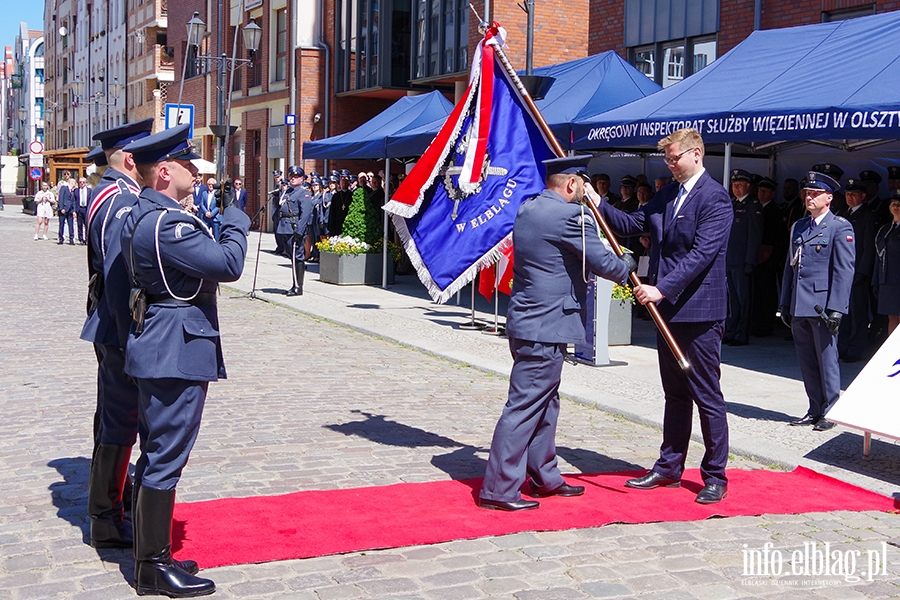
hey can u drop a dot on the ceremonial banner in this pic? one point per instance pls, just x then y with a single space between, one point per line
455 210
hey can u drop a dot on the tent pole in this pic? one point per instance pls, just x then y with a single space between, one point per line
385 185
727 165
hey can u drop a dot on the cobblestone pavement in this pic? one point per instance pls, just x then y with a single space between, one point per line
314 405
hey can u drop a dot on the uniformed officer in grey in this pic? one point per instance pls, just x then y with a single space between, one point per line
107 324
741 257
295 214
174 349
815 294
556 248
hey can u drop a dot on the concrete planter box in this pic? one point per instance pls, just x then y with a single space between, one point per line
620 322
353 269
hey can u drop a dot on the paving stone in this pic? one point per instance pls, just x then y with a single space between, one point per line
599 589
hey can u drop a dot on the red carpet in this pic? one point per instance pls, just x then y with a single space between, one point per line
317 523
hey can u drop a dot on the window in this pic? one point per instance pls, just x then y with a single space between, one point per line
441 38
670 62
192 68
848 13
373 44
39 75
673 60
281 44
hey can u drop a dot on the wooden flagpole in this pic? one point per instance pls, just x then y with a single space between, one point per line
683 361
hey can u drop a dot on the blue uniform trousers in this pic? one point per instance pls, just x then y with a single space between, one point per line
702 344
818 357
524 442
117 398
168 421
737 326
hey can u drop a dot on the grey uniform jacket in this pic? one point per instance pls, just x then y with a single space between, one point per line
819 266
548 300
180 342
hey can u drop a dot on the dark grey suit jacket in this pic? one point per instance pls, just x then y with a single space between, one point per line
548 300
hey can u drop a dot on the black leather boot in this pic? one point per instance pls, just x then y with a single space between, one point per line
299 270
299 275
190 566
155 573
109 469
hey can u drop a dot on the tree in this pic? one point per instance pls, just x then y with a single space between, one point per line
363 220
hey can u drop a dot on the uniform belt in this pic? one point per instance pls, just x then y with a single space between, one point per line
198 300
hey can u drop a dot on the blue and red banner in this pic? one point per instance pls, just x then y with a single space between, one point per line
455 210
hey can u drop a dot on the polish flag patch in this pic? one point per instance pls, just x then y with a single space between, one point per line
849 238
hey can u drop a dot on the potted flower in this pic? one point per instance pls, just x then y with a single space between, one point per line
620 303
355 257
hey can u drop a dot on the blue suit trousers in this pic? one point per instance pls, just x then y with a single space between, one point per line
702 344
524 442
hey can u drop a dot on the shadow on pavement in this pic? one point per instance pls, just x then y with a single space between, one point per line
70 494
588 461
845 451
754 412
381 430
70 499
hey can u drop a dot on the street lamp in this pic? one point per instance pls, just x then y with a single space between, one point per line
252 35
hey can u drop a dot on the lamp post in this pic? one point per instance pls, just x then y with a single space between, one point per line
23 137
115 89
252 35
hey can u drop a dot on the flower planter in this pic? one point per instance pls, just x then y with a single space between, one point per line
619 322
353 269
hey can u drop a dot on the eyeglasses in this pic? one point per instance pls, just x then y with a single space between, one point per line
674 160
237 184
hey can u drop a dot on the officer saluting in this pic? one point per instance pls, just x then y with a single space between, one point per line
815 294
173 349
107 323
295 212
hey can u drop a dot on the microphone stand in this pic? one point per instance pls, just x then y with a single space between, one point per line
258 243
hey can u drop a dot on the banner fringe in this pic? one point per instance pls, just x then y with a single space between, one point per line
437 294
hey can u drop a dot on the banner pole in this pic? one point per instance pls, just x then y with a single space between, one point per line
683 361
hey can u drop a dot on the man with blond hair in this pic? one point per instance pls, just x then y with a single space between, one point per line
689 222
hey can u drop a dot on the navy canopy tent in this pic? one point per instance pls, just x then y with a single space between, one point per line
369 140
589 86
830 81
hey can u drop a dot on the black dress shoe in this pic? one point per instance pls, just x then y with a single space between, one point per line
712 493
565 490
508 506
652 480
805 420
60 243
823 425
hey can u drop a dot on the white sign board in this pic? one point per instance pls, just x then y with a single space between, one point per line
179 115
871 401
35 160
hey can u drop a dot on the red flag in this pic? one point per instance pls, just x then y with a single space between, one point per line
487 278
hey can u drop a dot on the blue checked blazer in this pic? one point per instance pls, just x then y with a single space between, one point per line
687 253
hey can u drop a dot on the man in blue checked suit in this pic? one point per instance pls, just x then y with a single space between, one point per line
689 222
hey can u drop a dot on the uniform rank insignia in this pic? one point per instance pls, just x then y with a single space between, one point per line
585 219
181 227
123 211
